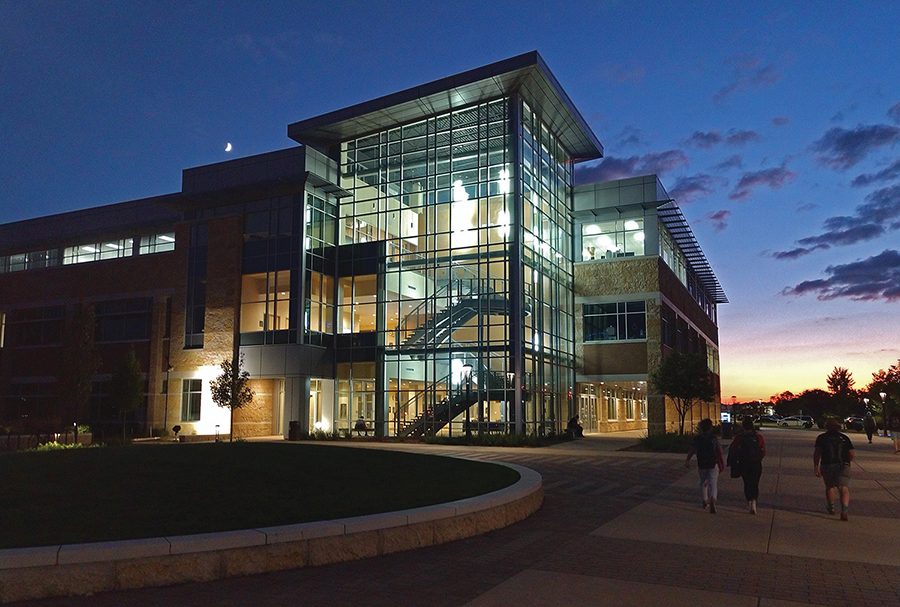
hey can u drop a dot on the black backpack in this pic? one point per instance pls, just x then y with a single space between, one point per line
832 449
706 451
749 451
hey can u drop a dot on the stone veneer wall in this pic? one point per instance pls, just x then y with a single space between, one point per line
223 292
256 418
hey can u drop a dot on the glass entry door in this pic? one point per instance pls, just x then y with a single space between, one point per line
587 411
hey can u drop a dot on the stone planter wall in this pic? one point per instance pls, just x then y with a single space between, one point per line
81 569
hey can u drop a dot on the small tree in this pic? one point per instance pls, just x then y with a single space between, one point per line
126 388
685 378
80 362
230 389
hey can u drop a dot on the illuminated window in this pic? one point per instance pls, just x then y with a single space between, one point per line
157 243
615 321
191 397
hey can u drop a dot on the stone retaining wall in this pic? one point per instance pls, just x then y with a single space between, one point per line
80 569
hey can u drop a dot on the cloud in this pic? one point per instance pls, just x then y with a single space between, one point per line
732 162
620 168
623 73
842 148
719 219
749 73
891 172
773 178
688 189
740 137
629 136
894 112
708 139
871 279
880 214
703 139
780 120
807 206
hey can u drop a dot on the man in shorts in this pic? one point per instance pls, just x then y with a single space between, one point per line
831 460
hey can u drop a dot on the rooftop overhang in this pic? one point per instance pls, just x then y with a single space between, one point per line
526 73
671 216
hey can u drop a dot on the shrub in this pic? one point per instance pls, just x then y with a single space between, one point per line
57 446
671 442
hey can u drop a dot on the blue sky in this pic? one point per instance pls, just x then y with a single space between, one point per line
775 125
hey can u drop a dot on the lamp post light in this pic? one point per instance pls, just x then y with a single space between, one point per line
166 410
883 396
467 375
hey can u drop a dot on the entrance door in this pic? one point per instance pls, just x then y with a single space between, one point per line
587 411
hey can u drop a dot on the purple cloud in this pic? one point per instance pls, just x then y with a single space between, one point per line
871 279
708 139
688 189
629 136
894 112
780 120
704 139
732 162
736 137
620 168
748 74
880 214
807 206
773 178
887 174
841 148
719 219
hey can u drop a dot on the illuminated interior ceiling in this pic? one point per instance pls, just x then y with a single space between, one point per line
526 73
671 216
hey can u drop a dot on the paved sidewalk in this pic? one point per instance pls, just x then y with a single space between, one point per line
622 528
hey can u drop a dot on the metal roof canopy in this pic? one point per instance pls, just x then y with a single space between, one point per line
527 73
671 216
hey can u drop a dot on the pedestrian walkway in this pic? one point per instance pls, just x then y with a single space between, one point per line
621 528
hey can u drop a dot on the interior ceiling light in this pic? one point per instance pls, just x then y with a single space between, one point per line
631 224
166 237
591 229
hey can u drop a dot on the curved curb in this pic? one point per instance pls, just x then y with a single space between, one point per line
80 569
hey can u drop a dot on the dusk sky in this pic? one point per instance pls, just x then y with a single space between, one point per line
776 127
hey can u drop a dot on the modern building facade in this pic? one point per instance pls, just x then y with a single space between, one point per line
420 263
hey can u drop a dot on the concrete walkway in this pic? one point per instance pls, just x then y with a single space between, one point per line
622 528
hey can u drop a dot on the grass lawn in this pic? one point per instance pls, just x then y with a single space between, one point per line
113 493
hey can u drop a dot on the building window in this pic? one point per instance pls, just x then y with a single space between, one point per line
157 243
96 251
612 408
195 306
191 396
643 406
265 301
122 320
612 239
615 321
36 326
629 406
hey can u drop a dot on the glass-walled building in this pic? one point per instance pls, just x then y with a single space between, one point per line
422 263
452 292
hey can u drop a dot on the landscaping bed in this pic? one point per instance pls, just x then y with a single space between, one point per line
113 493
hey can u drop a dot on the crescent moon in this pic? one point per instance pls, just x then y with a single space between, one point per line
228 147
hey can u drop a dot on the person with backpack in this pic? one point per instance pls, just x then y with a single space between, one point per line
869 425
747 452
709 463
831 461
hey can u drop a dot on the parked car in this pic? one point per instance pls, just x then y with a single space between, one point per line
770 419
854 423
797 421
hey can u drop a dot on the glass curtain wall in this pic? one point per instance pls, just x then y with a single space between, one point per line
548 274
437 192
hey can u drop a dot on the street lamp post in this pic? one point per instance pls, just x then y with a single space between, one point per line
467 374
883 396
166 409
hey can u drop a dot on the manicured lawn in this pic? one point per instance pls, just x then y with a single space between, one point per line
88 495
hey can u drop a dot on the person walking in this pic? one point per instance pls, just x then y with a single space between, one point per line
747 452
869 425
831 460
710 463
895 431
